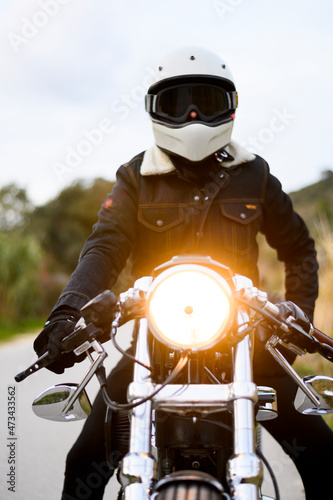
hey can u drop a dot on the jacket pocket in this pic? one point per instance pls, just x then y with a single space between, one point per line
161 230
160 219
240 225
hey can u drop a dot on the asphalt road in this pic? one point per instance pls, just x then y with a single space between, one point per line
32 459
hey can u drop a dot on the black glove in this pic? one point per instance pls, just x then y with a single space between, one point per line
59 325
101 311
288 309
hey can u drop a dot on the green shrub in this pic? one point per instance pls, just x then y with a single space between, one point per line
20 267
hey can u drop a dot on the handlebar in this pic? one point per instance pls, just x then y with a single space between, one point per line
96 313
312 341
132 304
79 340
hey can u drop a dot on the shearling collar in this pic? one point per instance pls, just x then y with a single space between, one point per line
156 162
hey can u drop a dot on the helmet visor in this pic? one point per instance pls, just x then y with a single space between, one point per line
175 103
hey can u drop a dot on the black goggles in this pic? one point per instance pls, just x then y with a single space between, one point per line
175 103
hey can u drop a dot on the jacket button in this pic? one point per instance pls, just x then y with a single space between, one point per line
159 223
242 216
197 198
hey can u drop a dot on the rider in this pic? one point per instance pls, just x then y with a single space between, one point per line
195 191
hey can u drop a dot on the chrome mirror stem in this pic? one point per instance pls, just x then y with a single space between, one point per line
271 347
96 363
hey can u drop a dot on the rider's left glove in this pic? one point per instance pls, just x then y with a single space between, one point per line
290 310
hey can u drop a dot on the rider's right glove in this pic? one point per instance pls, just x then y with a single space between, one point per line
300 327
59 325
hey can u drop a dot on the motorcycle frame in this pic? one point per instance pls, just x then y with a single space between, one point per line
138 470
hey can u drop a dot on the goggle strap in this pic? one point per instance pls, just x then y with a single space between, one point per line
233 99
149 102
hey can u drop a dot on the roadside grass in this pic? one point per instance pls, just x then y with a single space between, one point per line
9 329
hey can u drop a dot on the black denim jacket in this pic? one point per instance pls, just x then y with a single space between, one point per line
152 218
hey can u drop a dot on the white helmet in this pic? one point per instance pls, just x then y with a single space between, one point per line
192 103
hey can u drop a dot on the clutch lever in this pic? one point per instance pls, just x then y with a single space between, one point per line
79 340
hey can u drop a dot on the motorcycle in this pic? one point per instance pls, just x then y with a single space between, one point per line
191 425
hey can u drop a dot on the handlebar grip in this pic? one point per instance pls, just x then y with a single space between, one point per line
325 347
322 337
41 362
21 376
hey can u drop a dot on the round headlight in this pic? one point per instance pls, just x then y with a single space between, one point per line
189 306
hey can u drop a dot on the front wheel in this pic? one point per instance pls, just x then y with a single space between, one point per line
189 485
186 491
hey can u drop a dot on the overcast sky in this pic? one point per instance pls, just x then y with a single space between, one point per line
74 74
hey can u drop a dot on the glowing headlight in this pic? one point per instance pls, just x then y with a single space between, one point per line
189 306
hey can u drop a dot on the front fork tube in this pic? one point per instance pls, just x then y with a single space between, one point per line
245 471
138 467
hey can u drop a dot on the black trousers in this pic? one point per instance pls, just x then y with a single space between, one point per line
306 439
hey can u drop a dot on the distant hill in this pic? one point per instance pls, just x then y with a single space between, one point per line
315 201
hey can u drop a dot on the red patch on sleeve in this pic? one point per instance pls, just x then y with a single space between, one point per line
108 203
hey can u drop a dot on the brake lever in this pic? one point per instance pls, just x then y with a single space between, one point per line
290 333
312 341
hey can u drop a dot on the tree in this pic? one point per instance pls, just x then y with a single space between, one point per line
20 270
63 224
15 207
326 174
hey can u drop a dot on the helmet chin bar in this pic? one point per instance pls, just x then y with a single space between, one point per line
194 141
